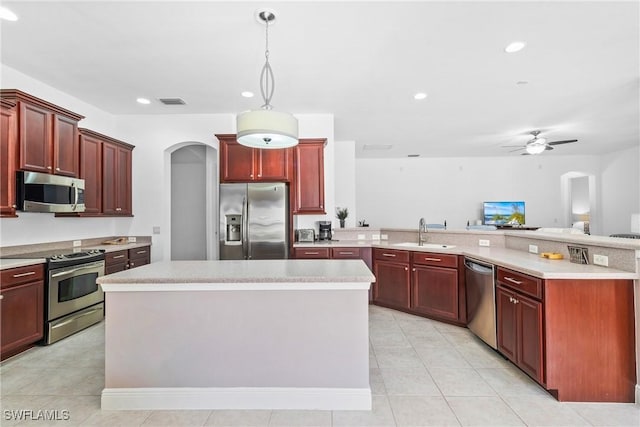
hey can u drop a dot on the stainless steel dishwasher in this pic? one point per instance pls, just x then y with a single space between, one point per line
481 300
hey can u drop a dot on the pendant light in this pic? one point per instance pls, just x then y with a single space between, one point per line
266 128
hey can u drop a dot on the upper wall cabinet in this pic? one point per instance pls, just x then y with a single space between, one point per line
243 164
8 155
47 135
308 173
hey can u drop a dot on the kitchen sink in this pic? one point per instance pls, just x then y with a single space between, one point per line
424 245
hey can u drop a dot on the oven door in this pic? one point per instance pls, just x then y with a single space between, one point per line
74 288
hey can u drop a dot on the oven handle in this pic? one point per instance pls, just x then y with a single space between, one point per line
93 265
74 318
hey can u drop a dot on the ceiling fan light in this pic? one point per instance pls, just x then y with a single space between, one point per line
535 148
267 129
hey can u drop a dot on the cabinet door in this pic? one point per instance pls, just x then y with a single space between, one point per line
91 172
530 336
309 178
35 139
236 161
65 146
8 159
123 181
22 315
273 165
109 173
392 284
435 291
506 323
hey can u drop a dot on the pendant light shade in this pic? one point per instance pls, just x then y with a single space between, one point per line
535 148
267 129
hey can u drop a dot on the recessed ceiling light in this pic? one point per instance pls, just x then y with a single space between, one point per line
247 94
143 101
413 155
522 82
420 95
7 15
515 47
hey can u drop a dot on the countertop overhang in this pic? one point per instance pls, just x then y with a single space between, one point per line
242 275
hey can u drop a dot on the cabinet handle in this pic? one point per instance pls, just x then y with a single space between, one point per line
251 175
311 253
118 256
131 264
391 255
413 269
118 209
259 175
49 167
321 207
58 169
14 206
515 301
345 253
432 259
1 297
141 252
509 279
406 269
30 273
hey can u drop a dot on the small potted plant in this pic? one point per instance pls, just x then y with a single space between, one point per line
342 214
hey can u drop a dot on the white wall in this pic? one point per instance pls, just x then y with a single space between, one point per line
398 192
345 180
620 193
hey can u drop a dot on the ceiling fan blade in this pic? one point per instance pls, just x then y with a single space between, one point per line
517 149
511 146
547 147
562 142
525 154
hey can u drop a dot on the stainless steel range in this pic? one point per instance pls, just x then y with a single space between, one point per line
73 299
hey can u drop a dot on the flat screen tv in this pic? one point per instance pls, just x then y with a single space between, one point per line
503 213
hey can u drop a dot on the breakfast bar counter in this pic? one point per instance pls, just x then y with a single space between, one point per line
260 334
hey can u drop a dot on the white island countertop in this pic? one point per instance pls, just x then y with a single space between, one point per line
247 275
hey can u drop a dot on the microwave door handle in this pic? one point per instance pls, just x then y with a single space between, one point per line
74 270
244 229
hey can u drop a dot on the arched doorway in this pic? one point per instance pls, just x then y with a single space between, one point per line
193 213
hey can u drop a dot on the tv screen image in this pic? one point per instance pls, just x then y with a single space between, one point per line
503 213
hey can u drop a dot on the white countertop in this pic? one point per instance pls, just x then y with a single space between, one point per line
525 262
242 275
15 263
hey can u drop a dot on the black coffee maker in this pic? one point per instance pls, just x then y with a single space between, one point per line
324 230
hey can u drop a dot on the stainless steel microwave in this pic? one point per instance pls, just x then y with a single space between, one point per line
41 192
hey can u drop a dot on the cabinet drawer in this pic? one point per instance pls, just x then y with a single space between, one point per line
144 252
521 282
116 257
440 260
391 255
16 276
319 253
345 253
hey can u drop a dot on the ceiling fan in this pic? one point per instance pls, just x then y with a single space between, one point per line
537 145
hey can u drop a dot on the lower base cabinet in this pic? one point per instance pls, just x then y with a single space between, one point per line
21 309
125 259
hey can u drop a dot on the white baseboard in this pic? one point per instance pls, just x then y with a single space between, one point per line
236 398
637 394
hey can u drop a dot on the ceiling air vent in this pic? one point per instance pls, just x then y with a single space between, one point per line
172 101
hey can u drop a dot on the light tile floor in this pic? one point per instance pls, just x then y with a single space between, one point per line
423 373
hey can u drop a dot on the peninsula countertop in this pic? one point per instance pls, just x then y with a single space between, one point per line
242 275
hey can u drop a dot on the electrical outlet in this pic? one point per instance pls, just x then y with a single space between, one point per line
361 237
156 229
77 243
385 237
533 249
375 236
602 260
484 242
131 239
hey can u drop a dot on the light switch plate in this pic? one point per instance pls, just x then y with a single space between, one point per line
385 237
77 243
131 239
156 229
484 242
361 237
602 260
533 249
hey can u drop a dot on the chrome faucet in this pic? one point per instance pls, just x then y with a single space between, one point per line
422 228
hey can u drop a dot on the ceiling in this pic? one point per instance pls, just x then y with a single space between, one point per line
360 61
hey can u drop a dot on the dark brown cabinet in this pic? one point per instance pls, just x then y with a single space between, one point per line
116 179
21 308
126 259
8 156
244 164
91 171
311 253
308 177
436 290
519 314
392 287
47 135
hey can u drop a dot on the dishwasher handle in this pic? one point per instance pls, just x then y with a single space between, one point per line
478 267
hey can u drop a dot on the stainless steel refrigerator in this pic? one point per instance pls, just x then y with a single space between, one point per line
254 221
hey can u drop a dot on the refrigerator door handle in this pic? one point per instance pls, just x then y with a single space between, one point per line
245 228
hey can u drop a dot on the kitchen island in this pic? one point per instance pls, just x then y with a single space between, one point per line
260 334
